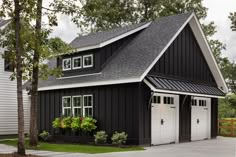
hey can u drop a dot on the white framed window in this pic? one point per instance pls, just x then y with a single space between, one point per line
77 106
88 106
77 62
66 64
87 61
66 106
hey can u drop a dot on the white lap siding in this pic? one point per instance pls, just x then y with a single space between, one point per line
8 103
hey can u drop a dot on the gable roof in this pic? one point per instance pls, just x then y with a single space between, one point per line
122 68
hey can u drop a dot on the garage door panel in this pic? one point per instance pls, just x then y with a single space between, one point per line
164 122
199 118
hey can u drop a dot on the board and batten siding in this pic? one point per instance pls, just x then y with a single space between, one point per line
122 107
8 103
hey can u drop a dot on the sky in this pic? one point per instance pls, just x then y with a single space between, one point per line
218 12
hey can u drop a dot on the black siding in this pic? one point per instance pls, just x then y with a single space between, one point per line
184 60
117 108
214 117
184 118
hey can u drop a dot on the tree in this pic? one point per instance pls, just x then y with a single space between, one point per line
35 76
21 142
35 47
39 53
232 17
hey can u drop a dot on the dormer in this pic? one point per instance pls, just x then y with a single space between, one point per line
92 52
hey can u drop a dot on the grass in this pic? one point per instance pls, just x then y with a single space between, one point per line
74 148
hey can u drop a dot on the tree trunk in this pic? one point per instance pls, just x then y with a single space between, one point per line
21 138
34 92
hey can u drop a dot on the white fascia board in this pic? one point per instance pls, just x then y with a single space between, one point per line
166 47
74 76
178 92
210 59
112 40
100 83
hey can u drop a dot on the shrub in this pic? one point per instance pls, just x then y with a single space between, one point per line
76 123
100 137
88 124
119 138
66 123
45 136
56 123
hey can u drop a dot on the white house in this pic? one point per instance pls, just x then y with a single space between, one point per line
8 98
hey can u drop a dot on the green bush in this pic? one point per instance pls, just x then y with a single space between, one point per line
119 138
100 137
56 123
66 123
88 124
76 123
45 136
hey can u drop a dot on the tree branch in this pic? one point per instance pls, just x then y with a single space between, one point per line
49 9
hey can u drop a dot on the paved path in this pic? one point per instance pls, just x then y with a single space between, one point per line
221 147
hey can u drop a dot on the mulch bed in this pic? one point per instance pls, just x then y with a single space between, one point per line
15 155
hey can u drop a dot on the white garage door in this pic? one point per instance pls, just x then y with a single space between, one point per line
164 122
200 123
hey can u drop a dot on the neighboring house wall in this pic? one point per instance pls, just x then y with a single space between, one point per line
184 60
8 103
121 107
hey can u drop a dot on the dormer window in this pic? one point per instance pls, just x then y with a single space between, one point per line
87 61
77 62
66 64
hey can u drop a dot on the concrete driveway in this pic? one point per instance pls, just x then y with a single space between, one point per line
220 147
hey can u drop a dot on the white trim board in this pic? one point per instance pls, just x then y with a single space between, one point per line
100 83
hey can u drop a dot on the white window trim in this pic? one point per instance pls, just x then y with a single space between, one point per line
81 105
88 66
65 97
73 66
63 68
84 107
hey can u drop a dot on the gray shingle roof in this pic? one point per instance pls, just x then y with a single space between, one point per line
99 37
132 60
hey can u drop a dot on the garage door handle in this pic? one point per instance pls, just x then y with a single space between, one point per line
162 121
198 121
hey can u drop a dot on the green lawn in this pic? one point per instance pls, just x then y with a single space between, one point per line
75 148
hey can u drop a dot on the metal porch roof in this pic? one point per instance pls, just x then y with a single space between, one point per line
160 83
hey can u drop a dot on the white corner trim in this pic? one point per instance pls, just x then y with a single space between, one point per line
78 76
178 92
99 83
112 40
203 43
166 47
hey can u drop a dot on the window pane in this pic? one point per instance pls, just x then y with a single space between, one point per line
77 62
66 102
76 101
77 112
88 61
88 112
66 63
88 101
67 112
